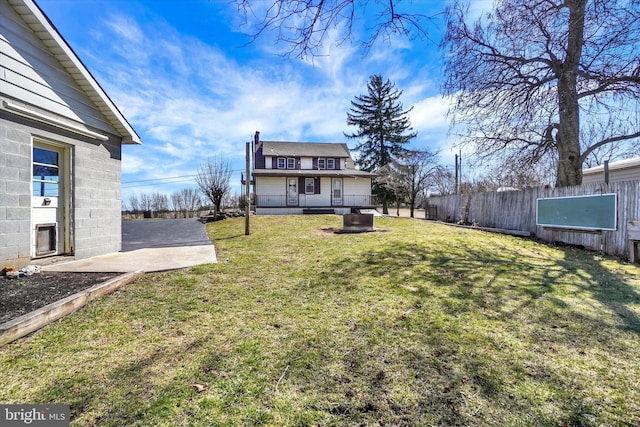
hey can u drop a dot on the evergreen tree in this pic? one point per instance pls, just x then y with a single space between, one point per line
382 124
383 128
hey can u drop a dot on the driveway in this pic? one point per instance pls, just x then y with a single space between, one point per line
163 233
151 245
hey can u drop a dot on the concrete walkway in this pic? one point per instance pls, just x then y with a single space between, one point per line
154 245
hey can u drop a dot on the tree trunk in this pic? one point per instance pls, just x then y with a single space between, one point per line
568 137
385 206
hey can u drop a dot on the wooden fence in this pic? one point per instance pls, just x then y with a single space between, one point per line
516 210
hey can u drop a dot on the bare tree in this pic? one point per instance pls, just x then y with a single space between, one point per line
159 202
303 25
409 176
443 181
523 75
134 204
186 201
388 181
177 204
146 202
417 168
213 180
192 200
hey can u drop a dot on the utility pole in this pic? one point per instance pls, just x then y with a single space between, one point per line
456 168
460 172
247 198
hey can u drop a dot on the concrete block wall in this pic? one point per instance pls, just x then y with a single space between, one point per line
15 194
95 191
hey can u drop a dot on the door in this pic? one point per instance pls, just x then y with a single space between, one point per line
336 192
47 201
292 191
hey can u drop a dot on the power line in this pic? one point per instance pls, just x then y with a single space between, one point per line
160 179
170 177
158 183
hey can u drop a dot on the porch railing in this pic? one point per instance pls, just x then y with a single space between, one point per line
281 201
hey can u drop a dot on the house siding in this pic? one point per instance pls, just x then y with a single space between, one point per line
356 186
272 191
259 160
615 175
271 185
31 74
32 77
306 163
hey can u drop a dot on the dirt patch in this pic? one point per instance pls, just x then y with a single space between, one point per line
25 294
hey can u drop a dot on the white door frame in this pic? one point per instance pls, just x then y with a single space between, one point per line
51 199
337 197
292 192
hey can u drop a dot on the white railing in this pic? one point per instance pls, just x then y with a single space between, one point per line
278 200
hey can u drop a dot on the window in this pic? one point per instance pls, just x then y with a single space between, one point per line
322 164
331 163
45 172
309 186
291 163
281 163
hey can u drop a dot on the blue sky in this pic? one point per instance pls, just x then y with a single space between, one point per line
183 75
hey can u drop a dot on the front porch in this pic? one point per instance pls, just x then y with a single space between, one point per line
310 201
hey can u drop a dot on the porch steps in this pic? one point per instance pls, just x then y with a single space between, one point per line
318 211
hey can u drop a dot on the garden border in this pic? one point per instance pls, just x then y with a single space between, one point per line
30 322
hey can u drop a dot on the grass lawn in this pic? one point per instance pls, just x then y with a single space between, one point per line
417 324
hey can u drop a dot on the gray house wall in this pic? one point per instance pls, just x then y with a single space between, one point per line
95 206
48 97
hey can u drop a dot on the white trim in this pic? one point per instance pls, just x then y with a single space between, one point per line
620 164
313 185
43 118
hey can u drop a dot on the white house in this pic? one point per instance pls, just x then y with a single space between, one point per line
308 177
60 146
622 170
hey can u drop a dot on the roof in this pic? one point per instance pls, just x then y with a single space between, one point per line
620 164
44 29
305 149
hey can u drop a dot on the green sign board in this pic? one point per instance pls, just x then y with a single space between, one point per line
593 212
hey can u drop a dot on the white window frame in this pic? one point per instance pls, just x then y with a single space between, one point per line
322 163
43 184
309 182
331 163
291 163
281 163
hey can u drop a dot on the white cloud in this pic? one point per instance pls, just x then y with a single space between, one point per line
131 163
430 113
190 101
